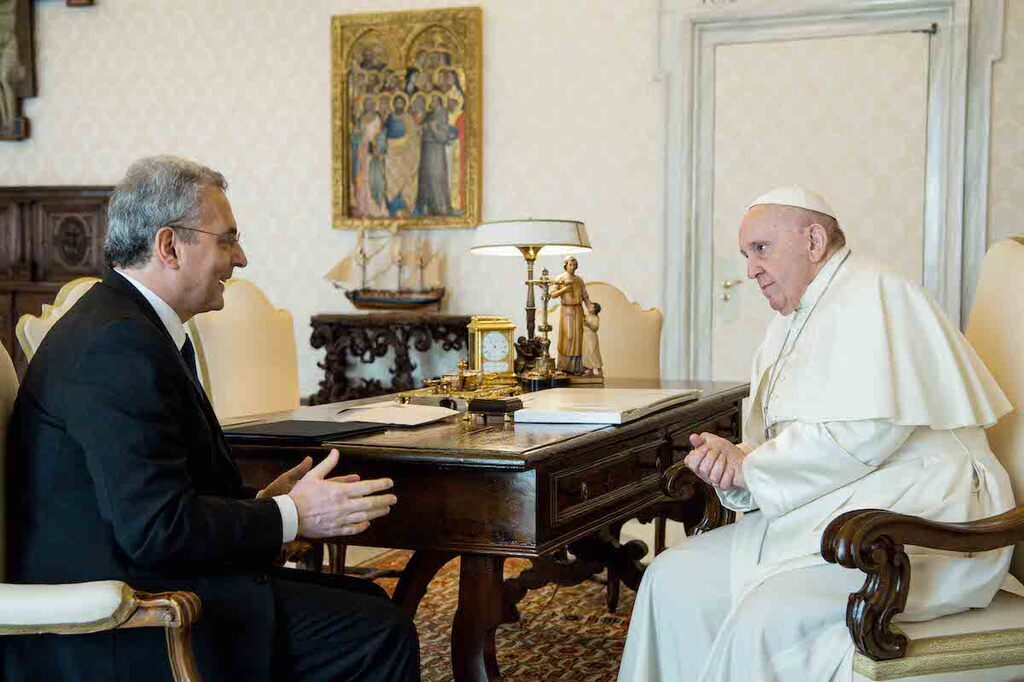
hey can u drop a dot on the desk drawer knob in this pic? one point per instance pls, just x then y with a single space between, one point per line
584 491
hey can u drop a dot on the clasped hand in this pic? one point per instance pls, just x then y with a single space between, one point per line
716 461
329 507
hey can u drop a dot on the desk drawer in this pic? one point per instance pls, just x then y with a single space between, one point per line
607 479
726 425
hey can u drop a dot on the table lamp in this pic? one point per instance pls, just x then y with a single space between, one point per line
527 238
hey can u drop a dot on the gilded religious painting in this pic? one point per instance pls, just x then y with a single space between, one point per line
407 119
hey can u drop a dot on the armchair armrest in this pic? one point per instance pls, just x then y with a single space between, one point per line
80 608
872 540
680 484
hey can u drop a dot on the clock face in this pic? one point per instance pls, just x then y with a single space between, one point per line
494 346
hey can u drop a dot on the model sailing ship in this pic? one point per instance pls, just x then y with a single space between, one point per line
417 273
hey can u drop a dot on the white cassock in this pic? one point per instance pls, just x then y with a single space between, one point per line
865 397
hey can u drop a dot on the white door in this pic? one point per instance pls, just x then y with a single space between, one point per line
844 116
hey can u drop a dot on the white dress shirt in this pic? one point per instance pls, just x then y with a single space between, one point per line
289 514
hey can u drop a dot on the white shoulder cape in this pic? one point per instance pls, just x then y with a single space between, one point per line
877 347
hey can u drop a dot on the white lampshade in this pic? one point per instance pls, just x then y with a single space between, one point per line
551 237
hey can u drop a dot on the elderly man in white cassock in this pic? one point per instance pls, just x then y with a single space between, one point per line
862 395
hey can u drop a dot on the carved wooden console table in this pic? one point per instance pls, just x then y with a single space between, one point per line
367 337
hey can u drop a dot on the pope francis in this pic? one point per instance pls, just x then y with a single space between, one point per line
862 395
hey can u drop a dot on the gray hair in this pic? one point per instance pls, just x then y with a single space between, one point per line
835 234
805 217
155 191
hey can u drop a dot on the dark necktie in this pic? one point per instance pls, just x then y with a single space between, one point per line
188 352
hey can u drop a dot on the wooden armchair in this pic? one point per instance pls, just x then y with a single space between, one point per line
246 353
630 336
981 643
31 329
79 608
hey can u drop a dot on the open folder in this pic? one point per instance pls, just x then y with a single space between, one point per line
299 431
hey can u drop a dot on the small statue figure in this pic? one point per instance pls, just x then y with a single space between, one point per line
569 287
591 345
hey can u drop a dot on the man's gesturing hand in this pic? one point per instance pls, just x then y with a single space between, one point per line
284 483
716 461
343 505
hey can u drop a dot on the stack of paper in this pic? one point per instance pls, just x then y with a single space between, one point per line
395 414
598 405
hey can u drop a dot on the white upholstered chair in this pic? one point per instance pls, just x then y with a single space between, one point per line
80 608
246 353
31 329
629 336
981 644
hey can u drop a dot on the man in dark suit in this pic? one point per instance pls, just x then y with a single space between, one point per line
118 470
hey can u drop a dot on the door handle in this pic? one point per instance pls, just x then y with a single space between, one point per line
729 284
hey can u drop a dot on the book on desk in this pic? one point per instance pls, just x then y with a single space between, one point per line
598 405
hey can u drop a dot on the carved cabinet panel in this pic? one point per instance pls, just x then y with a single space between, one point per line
48 236
68 239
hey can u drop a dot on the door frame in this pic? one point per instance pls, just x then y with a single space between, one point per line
689 35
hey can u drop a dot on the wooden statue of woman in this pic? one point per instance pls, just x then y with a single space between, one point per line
572 294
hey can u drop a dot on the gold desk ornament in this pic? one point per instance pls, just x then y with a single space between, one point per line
455 391
537 368
491 345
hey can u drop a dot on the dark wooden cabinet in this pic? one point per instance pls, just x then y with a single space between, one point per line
48 236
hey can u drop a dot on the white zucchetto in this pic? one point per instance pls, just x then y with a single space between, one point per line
795 196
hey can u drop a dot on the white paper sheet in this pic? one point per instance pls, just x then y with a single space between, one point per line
390 412
597 405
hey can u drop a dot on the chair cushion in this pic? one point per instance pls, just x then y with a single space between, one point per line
989 639
59 608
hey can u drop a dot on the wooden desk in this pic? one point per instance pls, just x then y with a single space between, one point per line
487 491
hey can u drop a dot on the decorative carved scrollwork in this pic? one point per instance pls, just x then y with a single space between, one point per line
872 541
869 612
682 485
369 337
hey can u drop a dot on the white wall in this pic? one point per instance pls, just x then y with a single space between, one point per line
573 127
573 120
1006 160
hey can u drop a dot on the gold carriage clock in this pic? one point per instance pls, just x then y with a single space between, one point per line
491 346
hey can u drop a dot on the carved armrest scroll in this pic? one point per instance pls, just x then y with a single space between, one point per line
872 541
680 484
176 612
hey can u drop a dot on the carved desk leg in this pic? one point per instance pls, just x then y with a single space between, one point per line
419 571
556 568
477 617
622 561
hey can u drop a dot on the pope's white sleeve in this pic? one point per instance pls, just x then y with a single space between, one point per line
806 461
738 499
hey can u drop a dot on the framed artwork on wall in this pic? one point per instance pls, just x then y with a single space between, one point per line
407 118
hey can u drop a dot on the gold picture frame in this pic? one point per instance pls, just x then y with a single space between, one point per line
407 119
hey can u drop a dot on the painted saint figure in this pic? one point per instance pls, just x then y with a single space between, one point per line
572 292
368 129
433 196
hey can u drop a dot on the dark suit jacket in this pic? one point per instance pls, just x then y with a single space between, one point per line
117 469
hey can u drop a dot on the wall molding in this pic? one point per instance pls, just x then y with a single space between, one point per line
689 35
985 50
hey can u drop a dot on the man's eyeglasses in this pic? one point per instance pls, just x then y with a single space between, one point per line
227 239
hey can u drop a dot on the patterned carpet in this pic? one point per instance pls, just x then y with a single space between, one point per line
565 633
